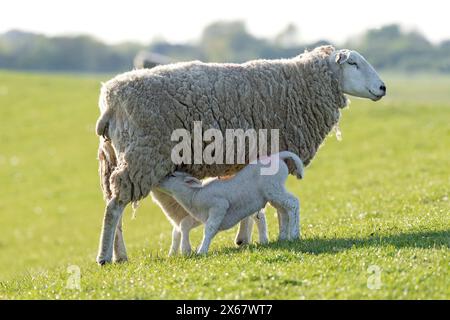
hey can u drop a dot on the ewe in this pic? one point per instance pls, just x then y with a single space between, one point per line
301 97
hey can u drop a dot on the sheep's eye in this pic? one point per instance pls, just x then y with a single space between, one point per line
353 63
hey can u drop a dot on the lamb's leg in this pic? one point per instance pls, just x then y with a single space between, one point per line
186 225
113 212
244 235
276 201
176 238
215 218
283 224
119 250
288 215
294 217
260 220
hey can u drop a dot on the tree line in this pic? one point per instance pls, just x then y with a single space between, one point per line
387 48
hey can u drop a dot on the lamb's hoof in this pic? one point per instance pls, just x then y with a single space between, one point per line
103 261
120 260
241 242
186 252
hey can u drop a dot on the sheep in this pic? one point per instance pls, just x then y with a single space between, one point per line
145 59
301 97
220 204
183 222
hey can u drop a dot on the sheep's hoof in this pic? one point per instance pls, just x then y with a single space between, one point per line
202 252
102 261
240 242
120 260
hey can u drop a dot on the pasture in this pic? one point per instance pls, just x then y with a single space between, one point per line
375 208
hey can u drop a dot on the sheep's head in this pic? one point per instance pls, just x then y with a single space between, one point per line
357 77
177 182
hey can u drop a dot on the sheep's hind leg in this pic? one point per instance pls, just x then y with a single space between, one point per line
294 217
288 216
119 250
283 220
244 235
176 238
260 220
113 212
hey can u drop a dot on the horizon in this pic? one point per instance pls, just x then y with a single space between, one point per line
117 24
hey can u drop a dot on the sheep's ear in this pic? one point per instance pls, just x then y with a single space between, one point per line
193 182
342 56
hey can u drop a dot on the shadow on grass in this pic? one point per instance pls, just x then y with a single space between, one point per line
429 239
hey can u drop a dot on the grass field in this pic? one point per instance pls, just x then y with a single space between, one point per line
378 200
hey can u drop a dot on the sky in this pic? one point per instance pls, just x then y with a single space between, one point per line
115 21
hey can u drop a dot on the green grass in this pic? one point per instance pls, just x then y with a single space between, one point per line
379 197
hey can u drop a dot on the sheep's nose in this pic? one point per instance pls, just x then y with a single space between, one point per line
383 88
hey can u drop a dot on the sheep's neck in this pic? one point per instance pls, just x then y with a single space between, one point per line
185 197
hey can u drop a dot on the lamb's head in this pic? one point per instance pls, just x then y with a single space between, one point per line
179 183
357 77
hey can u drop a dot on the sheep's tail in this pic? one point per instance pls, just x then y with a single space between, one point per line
107 163
106 154
299 172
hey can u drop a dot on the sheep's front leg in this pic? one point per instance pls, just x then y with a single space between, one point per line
186 225
113 212
176 238
244 235
119 250
260 220
212 225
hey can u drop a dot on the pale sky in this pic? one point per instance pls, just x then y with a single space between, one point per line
180 21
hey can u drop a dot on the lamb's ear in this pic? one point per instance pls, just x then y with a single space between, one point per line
342 56
193 182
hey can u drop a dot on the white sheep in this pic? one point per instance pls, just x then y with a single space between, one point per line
221 204
182 223
302 97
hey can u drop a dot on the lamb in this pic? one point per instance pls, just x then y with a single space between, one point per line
182 223
221 204
301 97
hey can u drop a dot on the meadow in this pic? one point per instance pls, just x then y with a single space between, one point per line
375 213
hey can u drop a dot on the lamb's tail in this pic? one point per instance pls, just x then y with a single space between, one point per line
299 171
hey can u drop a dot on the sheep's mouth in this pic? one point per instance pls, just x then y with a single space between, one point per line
376 97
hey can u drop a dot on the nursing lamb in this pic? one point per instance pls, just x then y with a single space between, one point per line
221 204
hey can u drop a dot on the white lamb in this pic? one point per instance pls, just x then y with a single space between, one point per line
221 204
182 223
